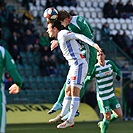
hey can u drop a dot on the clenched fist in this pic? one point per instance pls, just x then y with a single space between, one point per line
14 89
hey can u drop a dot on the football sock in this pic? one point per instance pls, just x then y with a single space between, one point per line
66 105
105 124
62 94
73 108
113 117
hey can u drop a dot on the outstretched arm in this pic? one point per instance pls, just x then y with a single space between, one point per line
83 38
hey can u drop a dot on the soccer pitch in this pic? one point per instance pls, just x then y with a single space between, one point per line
80 127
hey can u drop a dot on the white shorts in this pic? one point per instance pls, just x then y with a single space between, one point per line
76 75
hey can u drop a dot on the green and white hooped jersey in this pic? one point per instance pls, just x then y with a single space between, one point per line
104 79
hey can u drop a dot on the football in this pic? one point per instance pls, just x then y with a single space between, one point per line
50 13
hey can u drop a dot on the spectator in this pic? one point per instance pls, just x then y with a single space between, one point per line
118 39
12 15
44 66
128 9
70 3
127 43
105 31
29 25
125 72
16 26
53 67
44 39
15 39
27 16
129 101
29 39
8 81
59 3
25 3
45 50
61 60
119 9
3 11
33 2
108 10
50 3
15 52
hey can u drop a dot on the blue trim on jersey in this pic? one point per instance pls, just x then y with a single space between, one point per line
79 73
68 44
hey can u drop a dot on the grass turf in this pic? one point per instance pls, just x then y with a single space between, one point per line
82 127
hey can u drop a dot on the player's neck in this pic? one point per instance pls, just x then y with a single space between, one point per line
102 63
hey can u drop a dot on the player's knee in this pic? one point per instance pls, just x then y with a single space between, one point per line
120 114
108 117
68 93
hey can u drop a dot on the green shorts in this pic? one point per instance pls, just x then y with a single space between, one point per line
108 105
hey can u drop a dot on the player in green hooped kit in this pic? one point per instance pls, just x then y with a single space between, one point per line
108 104
8 64
77 24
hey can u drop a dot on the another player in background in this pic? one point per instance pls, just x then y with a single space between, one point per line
77 24
7 62
108 104
78 70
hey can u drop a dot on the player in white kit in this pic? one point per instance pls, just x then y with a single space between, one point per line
71 50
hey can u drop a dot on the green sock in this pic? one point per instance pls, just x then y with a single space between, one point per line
113 117
62 94
105 124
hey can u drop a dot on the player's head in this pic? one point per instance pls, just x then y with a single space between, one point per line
64 17
54 27
101 55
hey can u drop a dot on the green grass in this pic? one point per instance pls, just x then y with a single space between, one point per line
83 127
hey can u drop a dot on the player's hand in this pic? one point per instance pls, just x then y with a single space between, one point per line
14 89
54 44
118 77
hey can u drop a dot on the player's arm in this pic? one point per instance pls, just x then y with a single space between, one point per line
12 69
84 27
116 70
71 35
54 44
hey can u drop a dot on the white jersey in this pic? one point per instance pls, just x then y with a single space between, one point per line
71 48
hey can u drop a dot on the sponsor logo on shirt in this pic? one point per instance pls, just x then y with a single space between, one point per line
73 78
68 32
82 56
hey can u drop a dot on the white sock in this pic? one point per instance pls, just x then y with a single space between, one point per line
73 108
66 105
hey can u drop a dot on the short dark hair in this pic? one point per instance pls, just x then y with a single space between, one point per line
57 24
103 50
62 15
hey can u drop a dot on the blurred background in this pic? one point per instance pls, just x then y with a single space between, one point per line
23 33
